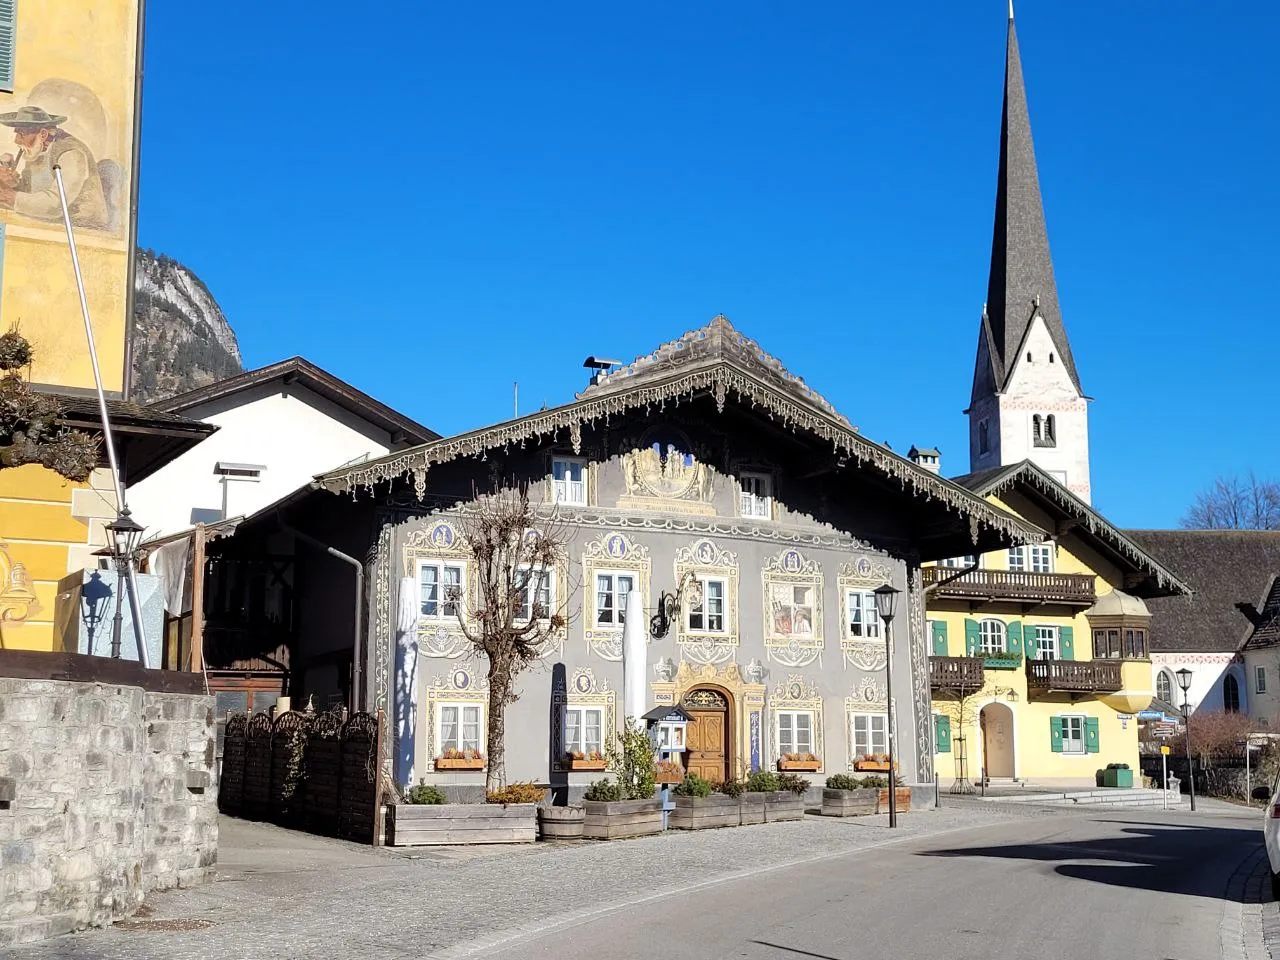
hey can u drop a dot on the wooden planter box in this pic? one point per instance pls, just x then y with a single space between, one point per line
751 808
668 779
850 803
453 763
561 823
783 805
421 824
588 764
624 818
702 813
871 766
902 801
809 766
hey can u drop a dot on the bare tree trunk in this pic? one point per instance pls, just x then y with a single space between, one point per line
499 688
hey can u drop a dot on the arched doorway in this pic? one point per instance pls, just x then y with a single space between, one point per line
1230 694
707 739
996 721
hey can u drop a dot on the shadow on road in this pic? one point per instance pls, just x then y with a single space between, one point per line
1169 859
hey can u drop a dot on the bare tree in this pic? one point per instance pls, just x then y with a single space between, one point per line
1235 504
514 553
29 430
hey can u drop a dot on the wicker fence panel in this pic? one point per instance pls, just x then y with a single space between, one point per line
257 768
323 774
358 789
288 768
231 779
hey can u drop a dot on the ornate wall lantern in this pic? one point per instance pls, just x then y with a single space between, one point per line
670 606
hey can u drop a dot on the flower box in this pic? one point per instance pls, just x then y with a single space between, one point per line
901 800
810 766
614 820
587 764
449 824
460 763
850 803
872 766
561 823
783 805
702 813
1002 662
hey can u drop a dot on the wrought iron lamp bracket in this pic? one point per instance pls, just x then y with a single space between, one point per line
669 605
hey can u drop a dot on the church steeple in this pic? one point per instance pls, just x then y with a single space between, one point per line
1027 402
1021 269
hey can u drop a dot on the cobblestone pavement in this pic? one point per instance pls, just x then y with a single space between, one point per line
285 896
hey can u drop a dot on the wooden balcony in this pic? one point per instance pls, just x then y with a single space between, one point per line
986 586
1073 676
955 675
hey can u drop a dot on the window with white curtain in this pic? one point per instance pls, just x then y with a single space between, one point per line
611 597
569 480
860 608
795 731
708 614
584 730
460 726
440 589
869 734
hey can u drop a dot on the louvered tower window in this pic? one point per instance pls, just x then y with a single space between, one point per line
8 20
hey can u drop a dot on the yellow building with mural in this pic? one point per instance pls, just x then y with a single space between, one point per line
67 92
1040 654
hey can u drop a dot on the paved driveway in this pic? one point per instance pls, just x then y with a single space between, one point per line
970 880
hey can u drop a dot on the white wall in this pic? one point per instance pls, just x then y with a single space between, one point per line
1207 673
1037 386
1264 707
293 432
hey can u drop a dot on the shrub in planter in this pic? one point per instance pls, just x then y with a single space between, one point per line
693 786
842 781
630 758
763 781
730 788
603 791
791 783
517 793
425 794
847 796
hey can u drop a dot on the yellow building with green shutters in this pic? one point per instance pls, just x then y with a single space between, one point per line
68 82
1040 654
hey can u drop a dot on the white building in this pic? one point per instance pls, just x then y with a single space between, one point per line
278 427
1230 573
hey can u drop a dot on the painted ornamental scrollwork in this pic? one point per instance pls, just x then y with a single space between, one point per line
16 596
800 694
439 635
662 474
610 556
921 701
793 629
581 690
869 695
705 634
462 683
862 573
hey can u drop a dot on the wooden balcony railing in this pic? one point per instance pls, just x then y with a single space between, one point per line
955 674
1076 589
1074 676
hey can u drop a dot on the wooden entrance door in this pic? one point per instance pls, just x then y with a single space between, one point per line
707 737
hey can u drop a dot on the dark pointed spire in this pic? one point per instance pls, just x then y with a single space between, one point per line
1021 268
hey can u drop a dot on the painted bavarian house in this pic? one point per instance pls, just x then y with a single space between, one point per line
704 458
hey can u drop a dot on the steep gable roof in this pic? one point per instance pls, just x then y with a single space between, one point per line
1021 282
1224 568
318 381
1150 578
718 362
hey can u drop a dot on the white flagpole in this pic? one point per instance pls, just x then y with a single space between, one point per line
130 585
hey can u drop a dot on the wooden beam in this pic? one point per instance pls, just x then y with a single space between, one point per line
197 600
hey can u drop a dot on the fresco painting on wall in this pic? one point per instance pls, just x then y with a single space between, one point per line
62 124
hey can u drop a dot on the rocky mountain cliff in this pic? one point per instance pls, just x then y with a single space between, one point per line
181 338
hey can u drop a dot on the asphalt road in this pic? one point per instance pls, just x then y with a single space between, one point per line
1111 885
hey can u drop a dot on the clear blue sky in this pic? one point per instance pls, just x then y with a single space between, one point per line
433 200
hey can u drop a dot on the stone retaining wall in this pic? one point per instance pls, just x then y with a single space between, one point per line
113 794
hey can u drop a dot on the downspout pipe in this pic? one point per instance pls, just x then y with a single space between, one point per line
356 671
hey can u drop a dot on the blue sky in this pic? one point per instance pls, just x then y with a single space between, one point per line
435 200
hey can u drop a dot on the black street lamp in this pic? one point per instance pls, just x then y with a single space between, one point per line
886 602
123 536
1184 681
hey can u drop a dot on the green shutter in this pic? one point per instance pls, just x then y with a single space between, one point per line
1066 643
1030 644
1055 734
941 733
939 638
8 21
972 638
1091 744
1013 638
